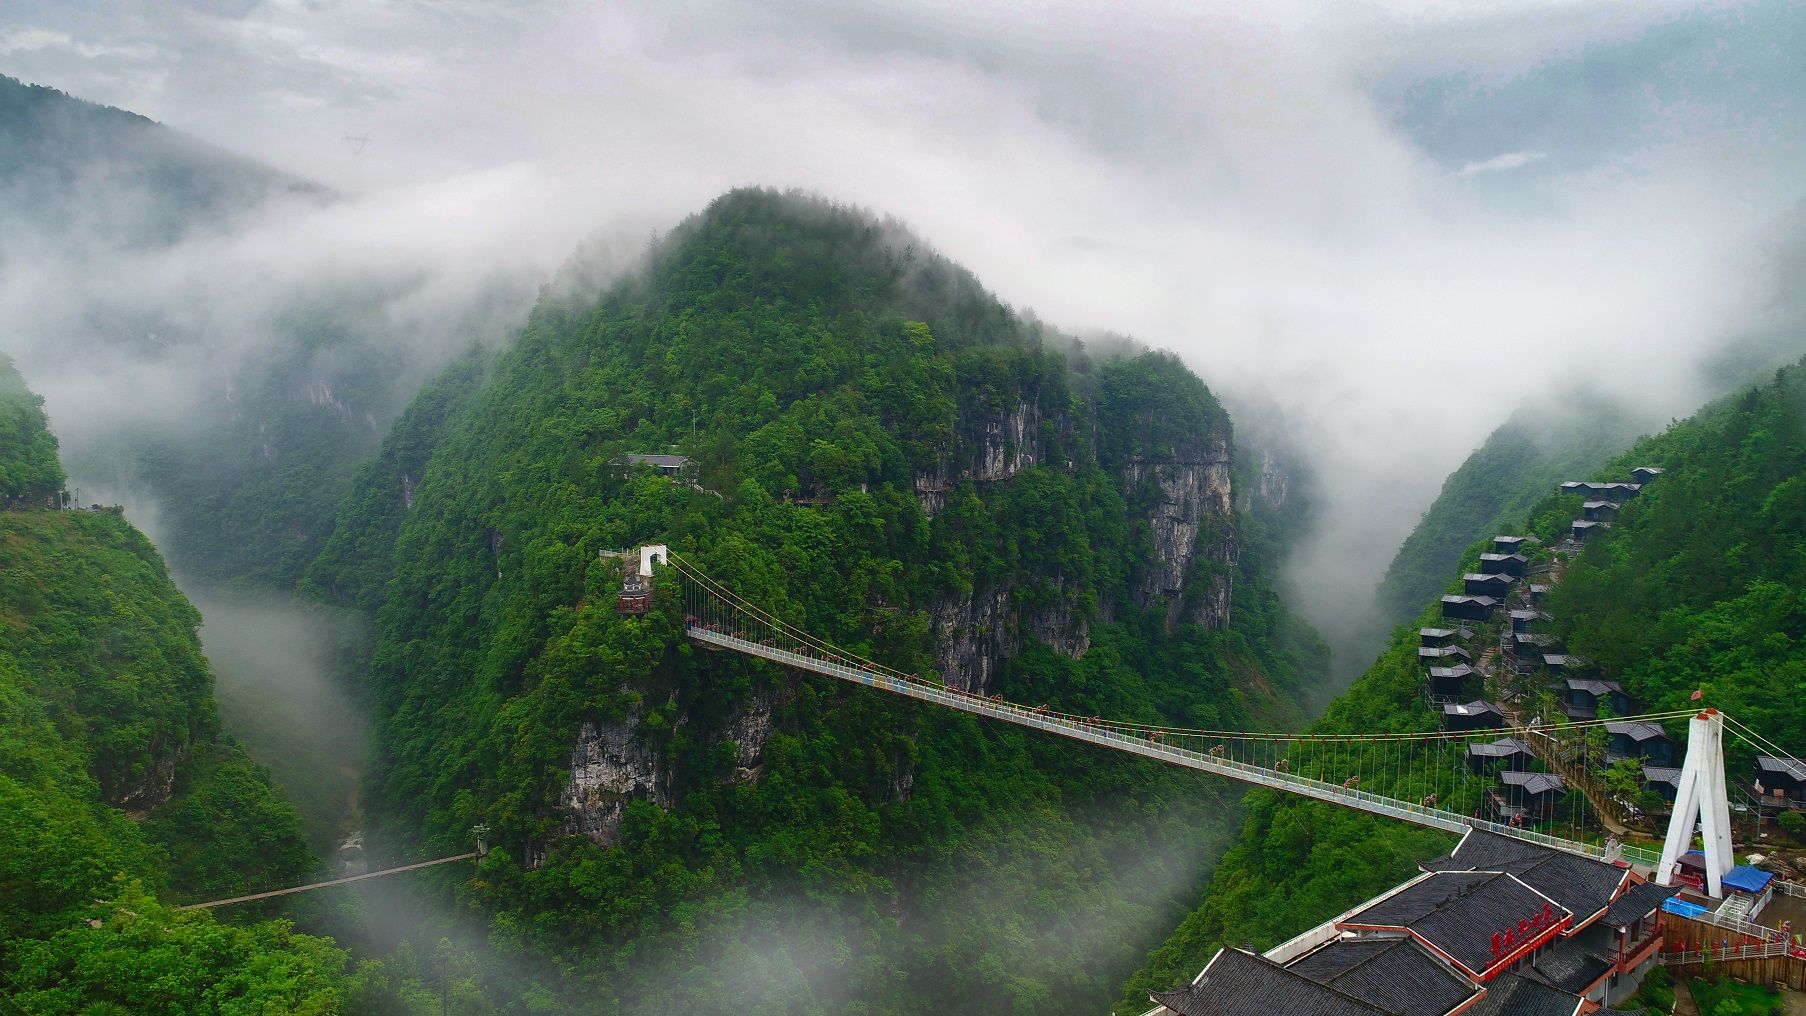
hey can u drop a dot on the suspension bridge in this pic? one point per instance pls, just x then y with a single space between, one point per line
1413 777
1416 777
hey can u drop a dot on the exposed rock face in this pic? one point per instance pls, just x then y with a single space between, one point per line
1188 496
974 635
138 793
750 728
1274 487
611 765
1063 625
1007 445
994 447
609 768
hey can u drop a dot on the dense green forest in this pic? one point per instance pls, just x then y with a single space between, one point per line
1543 444
30 473
1698 583
117 790
791 844
1695 587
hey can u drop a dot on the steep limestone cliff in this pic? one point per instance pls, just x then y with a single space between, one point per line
610 766
1169 440
990 447
1187 512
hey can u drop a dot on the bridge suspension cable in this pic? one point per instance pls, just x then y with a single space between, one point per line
1337 768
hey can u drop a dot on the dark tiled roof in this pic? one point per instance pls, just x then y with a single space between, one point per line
1661 774
1497 558
1485 601
1478 707
1639 900
1636 730
662 461
1580 884
1533 783
1237 983
1458 671
1339 956
1457 912
1511 995
1498 749
1571 964
1592 685
1395 974
1792 767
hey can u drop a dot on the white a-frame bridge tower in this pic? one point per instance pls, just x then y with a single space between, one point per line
1701 797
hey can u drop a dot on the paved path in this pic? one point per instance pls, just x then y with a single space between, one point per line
1683 1000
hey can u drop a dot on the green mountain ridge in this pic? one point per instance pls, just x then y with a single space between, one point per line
885 455
116 785
69 164
1541 445
1694 588
287 396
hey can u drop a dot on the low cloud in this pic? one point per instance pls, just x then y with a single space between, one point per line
1501 163
1266 191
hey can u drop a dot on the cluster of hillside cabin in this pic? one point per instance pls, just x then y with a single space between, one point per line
1601 500
1504 583
1452 680
1499 927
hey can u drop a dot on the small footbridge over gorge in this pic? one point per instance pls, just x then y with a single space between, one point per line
1412 777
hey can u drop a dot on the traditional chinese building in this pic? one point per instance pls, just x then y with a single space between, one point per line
1499 927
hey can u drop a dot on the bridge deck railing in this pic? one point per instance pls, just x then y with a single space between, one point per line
1334 793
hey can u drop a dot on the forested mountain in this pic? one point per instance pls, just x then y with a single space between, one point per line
117 789
887 456
1698 583
243 410
68 164
1543 443
30 473
1696 587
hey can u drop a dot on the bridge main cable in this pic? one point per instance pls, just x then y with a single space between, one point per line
1140 739
832 652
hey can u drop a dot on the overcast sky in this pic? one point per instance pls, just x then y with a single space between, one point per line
1390 216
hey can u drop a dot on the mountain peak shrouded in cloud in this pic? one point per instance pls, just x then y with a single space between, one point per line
67 165
1345 208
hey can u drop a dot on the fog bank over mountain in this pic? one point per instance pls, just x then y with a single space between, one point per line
1392 222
